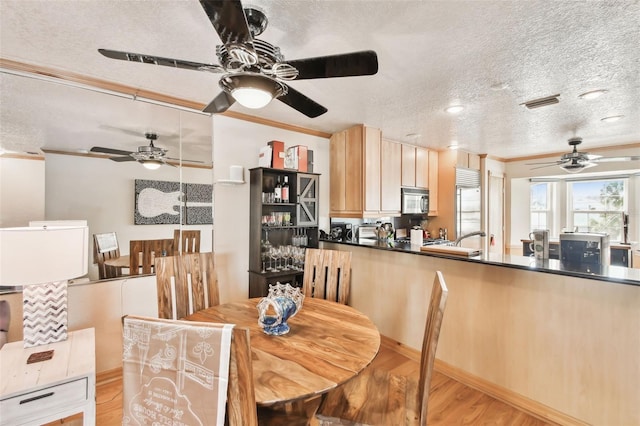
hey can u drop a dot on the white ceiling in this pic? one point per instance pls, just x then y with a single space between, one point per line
490 56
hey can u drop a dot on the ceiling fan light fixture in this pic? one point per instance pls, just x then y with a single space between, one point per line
151 164
251 97
252 90
573 167
454 109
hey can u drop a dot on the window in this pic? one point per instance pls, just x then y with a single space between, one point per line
598 206
540 206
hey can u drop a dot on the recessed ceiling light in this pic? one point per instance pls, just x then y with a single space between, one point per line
454 145
413 135
593 94
612 118
454 109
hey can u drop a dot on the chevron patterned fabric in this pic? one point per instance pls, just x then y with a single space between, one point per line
44 313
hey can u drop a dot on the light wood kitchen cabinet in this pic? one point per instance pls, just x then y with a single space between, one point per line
433 182
468 160
415 166
355 172
423 168
408 165
390 178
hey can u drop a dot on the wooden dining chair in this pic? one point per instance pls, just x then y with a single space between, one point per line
174 372
105 247
327 274
377 397
142 254
186 241
186 284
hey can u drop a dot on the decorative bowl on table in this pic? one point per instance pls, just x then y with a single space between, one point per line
281 304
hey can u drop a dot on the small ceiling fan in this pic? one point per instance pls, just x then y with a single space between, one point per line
254 71
150 156
575 161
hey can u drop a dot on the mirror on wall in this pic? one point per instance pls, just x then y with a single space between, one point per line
61 123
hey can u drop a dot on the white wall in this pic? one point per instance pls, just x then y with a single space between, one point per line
238 142
22 186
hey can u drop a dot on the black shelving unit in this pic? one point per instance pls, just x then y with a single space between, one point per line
302 213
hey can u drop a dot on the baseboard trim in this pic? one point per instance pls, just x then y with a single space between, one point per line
108 376
522 403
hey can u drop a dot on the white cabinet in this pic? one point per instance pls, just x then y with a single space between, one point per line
48 390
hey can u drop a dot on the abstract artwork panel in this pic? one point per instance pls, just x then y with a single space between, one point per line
199 201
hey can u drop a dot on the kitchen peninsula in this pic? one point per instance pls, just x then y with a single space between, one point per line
560 344
610 273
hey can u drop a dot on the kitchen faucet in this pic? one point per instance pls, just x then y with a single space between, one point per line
457 241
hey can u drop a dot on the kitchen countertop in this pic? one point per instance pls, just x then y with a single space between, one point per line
613 274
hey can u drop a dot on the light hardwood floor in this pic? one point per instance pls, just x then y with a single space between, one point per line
450 402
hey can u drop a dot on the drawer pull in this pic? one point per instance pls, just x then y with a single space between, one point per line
44 395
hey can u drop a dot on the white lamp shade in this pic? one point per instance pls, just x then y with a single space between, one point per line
36 255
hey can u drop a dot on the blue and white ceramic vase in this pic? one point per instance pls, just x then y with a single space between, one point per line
281 304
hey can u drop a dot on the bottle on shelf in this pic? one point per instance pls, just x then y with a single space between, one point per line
285 190
278 191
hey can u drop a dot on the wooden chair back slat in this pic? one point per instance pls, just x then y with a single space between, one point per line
142 254
189 280
186 241
435 314
241 397
327 274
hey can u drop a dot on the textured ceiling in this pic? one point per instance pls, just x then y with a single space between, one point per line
490 56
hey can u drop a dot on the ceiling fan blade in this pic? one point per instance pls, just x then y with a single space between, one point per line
158 60
229 21
109 151
184 160
300 102
615 159
551 163
220 103
122 159
343 65
547 165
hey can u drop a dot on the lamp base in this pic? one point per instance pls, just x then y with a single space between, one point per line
44 313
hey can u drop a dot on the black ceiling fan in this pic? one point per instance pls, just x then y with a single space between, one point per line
576 161
255 71
149 156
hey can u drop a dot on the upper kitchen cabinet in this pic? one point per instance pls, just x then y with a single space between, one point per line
365 174
390 178
408 165
415 166
423 167
468 160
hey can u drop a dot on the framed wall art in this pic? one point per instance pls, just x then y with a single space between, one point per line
164 202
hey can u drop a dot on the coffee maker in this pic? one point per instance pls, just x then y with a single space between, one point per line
585 251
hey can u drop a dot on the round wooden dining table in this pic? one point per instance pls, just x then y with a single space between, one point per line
329 343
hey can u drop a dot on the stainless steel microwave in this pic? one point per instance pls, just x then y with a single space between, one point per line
415 201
